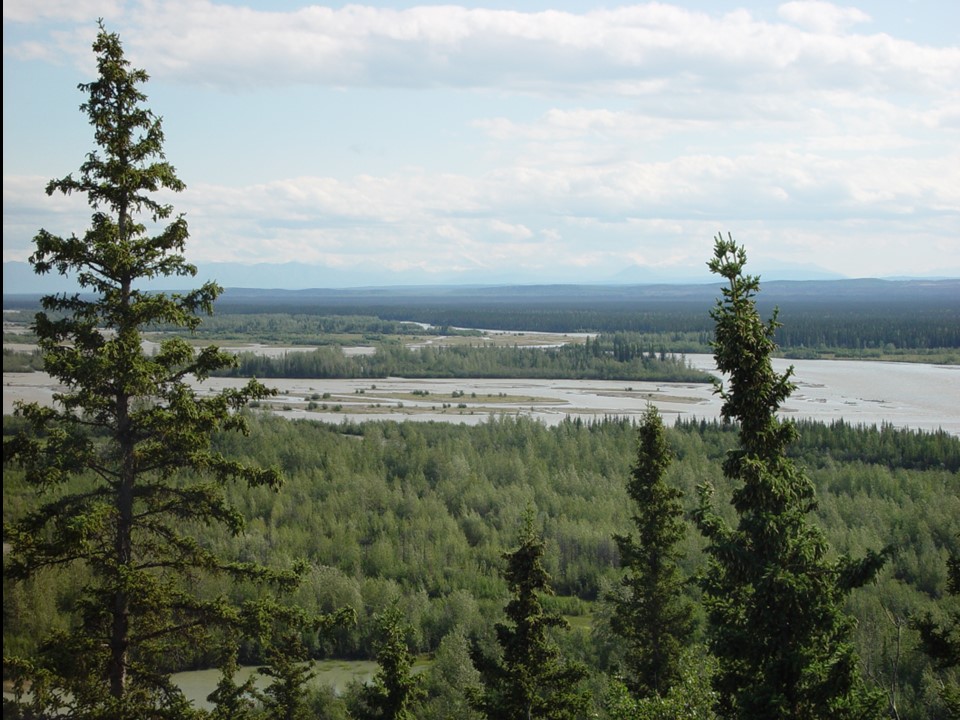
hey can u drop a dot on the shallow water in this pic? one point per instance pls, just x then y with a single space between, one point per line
338 674
908 395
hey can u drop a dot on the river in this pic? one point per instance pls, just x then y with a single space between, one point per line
906 395
338 674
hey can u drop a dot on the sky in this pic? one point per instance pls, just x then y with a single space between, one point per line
474 142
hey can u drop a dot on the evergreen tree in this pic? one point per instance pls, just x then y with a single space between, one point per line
650 612
773 595
130 427
532 680
285 698
941 640
232 700
395 690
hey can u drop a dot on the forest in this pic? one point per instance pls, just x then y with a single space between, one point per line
859 318
655 353
615 357
419 514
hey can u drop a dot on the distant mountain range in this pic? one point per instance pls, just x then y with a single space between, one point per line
19 278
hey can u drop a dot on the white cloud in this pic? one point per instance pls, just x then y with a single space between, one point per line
586 139
514 230
30 11
822 17
633 47
309 216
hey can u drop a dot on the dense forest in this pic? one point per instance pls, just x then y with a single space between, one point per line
655 353
619 356
419 513
855 316
855 319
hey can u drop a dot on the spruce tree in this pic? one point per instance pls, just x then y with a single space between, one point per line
122 461
285 698
395 690
532 680
940 639
650 612
773 594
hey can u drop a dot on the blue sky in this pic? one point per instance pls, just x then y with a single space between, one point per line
396 142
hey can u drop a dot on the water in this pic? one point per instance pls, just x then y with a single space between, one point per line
907 395
338 674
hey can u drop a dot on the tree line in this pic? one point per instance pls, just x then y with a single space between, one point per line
618 356
812 325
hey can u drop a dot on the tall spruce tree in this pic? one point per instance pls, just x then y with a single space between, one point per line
532 680
122 460
651 612
773 594
940 639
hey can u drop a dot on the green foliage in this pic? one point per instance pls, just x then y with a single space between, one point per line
941 639
419 513
532 679
395 691
22 362
232 700
450 680
122 463
607 358
773 595
819 443
313 329
690 697
285 698
651 613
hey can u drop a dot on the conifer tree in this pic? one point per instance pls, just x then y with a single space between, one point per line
532 680
122 461
650 612
285 698
773 594
940 640
395 690
233 700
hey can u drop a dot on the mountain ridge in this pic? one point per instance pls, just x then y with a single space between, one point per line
19 279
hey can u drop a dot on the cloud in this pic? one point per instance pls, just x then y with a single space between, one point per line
511 213
31 11
532 138
513 230
822 17
626 49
